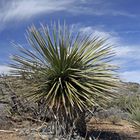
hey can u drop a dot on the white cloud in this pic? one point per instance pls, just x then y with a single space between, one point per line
4 69
123 51
131 76
95 31
23 9
129 52
98 31
99 8
127 57
98 11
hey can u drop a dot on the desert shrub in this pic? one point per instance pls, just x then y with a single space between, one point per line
130 104
13 101
114 119
135 114
124 101
133 109
133 87
112 111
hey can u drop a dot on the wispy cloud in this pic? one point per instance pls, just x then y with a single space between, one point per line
4 69
131 76
23 9
99 11
99 31
99 8
128 51
128 58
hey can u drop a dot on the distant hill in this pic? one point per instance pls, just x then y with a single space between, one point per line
130 88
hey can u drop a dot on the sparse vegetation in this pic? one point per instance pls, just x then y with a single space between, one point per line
114 119
33 115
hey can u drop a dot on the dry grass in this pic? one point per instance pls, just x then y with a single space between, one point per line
122 128
10 136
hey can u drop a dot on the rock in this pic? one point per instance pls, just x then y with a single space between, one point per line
44 137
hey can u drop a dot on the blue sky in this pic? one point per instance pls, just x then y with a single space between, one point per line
117 19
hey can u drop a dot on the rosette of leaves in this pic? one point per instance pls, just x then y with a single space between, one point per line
70 71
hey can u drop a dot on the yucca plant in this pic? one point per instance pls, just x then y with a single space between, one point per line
69 71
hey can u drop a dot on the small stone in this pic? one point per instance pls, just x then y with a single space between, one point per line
44 137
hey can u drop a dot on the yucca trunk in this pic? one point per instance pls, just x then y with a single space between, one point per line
80 124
